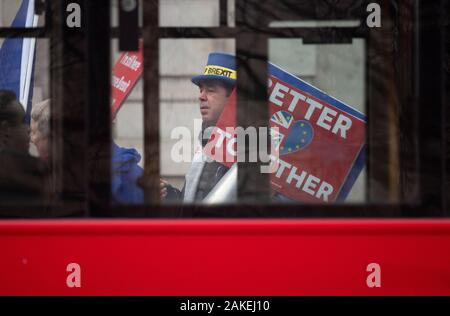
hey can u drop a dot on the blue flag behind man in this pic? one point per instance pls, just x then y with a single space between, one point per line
17 58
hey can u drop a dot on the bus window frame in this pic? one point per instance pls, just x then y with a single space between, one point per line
378 143
84 56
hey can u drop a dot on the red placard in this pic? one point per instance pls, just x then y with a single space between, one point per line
125 74
317 140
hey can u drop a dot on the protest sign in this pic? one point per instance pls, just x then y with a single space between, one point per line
125 74
318 140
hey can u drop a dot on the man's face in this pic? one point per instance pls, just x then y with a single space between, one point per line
213 97
39 140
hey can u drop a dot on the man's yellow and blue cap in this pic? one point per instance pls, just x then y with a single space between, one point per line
220 66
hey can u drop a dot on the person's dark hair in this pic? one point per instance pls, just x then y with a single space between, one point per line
8 101
228 86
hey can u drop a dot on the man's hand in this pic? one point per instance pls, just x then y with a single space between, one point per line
163 188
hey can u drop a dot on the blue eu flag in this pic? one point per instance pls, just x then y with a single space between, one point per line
17 58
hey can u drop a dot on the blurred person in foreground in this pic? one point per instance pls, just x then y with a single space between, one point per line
22 177
124 164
